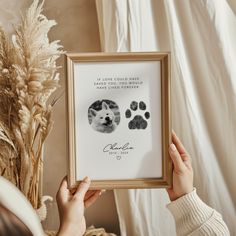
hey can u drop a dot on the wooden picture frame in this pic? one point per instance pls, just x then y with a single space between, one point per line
92 81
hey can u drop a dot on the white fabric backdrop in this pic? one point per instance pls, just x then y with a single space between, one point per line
201 36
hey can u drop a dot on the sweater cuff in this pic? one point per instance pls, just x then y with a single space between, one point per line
190 212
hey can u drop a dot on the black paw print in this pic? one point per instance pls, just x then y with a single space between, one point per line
138 122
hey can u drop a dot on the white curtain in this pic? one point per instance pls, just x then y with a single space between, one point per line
201 35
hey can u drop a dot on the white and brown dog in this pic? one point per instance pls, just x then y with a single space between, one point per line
103 120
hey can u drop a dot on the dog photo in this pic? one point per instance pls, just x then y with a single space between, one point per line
104 116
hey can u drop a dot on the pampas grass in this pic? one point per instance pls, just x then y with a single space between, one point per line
28 77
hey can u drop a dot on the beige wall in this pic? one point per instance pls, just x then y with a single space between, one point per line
78 31
232 4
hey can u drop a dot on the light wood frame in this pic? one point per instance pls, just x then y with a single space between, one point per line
164 58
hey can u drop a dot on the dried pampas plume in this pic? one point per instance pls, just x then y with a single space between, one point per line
28 77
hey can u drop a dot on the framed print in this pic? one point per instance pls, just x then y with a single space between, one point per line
118 119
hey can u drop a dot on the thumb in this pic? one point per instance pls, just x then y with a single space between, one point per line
179 165
83 188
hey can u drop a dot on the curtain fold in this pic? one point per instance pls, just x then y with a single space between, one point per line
201 36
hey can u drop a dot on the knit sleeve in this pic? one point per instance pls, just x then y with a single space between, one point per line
194 218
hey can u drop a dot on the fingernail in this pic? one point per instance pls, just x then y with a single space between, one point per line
86 179
102 191
172 147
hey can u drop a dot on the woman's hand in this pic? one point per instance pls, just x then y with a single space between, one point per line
71 207
183 172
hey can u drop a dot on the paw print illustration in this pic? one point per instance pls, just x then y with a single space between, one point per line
138 122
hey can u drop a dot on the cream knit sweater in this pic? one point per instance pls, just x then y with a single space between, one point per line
194 218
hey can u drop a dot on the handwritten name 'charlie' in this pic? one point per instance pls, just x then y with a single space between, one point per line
116 147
